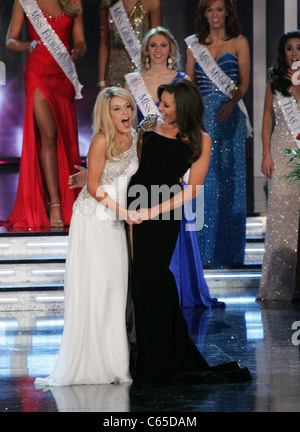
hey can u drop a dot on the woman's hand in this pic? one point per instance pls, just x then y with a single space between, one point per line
267 166
225 111
33 45
133 217
78 179
148 213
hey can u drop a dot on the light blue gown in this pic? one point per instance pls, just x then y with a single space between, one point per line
222 239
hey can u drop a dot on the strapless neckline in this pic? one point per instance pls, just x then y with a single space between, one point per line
224 54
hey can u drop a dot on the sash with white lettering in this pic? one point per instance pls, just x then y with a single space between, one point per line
216 74
127 34
141 94
291 114
52 43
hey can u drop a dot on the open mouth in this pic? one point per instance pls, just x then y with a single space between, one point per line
126 122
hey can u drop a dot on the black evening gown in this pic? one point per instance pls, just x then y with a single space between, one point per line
165 351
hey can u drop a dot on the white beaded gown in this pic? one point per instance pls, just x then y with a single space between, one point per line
280 258
94 346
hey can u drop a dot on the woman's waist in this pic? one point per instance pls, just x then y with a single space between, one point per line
42 63
87 205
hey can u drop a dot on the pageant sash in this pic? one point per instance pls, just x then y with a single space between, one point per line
216 74
52 43
291 114
128 36
141 94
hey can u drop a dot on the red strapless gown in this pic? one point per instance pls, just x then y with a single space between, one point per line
42 71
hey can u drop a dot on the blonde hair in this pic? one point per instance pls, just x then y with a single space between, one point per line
102 121
174 51
69 7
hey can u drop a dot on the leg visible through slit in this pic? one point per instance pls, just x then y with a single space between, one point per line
48 131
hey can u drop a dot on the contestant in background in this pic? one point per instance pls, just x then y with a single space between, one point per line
219 46
281 242
50 135
114 59
160 62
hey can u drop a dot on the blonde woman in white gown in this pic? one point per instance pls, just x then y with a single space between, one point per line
94 347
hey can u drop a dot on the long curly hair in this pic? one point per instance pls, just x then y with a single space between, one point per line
232 25
174 50
277 74
69 7
189 112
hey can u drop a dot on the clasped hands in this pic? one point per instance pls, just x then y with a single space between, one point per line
138 216
133 216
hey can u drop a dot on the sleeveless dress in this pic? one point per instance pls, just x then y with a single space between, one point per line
119 62
165 350
94 346
186 261
222 239
42 71
281 240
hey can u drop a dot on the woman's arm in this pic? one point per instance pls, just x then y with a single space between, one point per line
243 55
197 175
154 12
97 159
104 46
12 39
190 64
267 166
79 47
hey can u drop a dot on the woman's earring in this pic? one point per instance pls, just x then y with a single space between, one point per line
170 61
147 65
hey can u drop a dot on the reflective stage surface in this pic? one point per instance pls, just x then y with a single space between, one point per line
257 335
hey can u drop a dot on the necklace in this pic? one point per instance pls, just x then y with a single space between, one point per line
170 123
122 143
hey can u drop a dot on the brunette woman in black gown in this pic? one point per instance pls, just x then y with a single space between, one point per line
167 148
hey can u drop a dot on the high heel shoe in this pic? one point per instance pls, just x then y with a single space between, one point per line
56 223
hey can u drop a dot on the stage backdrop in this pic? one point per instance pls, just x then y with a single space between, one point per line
263 21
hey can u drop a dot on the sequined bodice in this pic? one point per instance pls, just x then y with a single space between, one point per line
114 180
281 130
228 63
120 63
139 22
281 138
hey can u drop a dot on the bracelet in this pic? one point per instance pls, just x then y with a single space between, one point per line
101 84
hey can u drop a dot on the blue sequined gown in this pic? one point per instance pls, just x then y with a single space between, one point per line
222 239
186 263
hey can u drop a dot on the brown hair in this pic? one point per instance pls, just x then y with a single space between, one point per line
232 26
189 113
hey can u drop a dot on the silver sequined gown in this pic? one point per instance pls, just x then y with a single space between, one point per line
280 258
94 346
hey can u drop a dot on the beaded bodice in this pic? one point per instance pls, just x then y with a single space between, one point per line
228 63
114 181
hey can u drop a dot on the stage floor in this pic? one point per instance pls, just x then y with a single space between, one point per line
257 335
